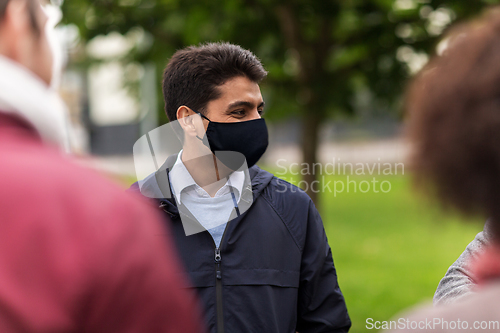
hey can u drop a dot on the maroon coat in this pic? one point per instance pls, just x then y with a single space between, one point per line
77 254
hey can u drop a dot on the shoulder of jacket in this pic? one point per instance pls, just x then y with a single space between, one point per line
286 193
292 205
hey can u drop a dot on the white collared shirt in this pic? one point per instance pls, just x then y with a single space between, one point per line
212 212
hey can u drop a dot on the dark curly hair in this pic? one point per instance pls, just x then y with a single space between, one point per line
454 119
194 74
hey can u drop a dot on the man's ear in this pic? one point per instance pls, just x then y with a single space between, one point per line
187 120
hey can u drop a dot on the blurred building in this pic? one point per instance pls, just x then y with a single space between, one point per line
113 102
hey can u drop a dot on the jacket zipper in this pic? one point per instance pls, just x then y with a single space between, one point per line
218 284
218 291
218 278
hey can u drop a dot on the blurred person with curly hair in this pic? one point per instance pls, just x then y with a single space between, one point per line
454 127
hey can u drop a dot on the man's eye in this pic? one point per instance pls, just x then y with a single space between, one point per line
261 112
238 112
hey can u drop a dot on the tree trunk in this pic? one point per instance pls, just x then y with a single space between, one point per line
311 60
310 128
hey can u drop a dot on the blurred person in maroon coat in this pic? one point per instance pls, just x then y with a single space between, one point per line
77 254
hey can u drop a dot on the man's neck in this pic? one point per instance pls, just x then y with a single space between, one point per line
207 171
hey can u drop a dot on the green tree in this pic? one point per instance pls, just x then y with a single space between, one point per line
320 53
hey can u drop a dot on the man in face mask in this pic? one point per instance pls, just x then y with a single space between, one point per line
75 254
269 267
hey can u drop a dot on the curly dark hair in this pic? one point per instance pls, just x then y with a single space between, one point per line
454 119
193 74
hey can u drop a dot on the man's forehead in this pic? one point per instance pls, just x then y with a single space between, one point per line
240 88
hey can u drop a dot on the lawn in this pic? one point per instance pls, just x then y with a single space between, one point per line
390 249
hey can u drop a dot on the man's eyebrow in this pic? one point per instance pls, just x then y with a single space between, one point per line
243 103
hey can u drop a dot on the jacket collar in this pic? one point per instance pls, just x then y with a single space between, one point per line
11 123
157 186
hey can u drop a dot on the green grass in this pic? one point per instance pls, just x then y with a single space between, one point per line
390 249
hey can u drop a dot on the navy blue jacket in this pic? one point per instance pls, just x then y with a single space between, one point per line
274 272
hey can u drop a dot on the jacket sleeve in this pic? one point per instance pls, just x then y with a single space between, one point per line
321 305
459 280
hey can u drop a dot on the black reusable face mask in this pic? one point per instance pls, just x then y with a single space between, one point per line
232 143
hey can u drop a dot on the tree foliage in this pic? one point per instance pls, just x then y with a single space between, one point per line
320 54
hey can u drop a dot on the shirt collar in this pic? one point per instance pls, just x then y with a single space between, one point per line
181 179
